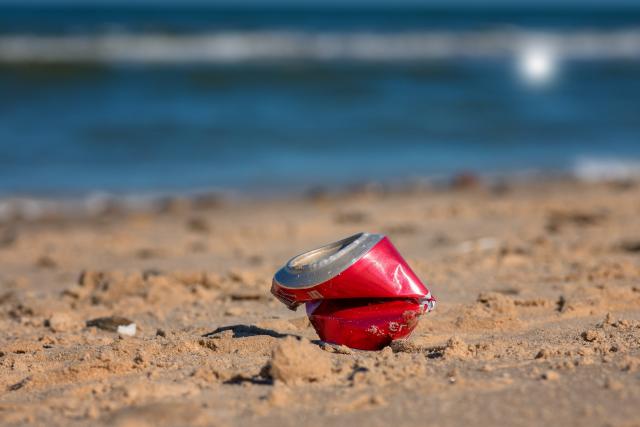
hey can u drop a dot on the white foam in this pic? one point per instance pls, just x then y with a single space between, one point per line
232 47
606 169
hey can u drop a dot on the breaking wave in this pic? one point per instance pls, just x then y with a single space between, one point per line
591 169
259 46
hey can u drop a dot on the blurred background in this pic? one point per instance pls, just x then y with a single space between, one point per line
263 97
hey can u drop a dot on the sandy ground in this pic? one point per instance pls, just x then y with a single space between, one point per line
537 323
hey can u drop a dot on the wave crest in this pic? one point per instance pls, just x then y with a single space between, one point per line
591 169
232 47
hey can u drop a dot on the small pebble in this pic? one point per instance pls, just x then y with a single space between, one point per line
129 330
113 324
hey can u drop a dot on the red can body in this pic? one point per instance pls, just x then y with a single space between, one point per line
359 292
365 325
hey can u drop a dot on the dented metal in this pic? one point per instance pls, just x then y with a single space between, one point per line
358 291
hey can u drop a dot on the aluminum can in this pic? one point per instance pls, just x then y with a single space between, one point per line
358 291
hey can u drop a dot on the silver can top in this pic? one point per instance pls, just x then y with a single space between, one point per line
319 265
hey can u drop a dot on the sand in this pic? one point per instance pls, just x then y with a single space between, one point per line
537 323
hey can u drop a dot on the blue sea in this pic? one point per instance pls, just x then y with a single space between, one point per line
170 99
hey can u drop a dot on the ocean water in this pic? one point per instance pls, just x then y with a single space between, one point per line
170 99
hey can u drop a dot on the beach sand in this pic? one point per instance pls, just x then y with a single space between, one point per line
537 322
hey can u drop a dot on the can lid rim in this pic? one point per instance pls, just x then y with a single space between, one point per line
325 262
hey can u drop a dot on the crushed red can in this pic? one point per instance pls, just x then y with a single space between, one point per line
358 291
